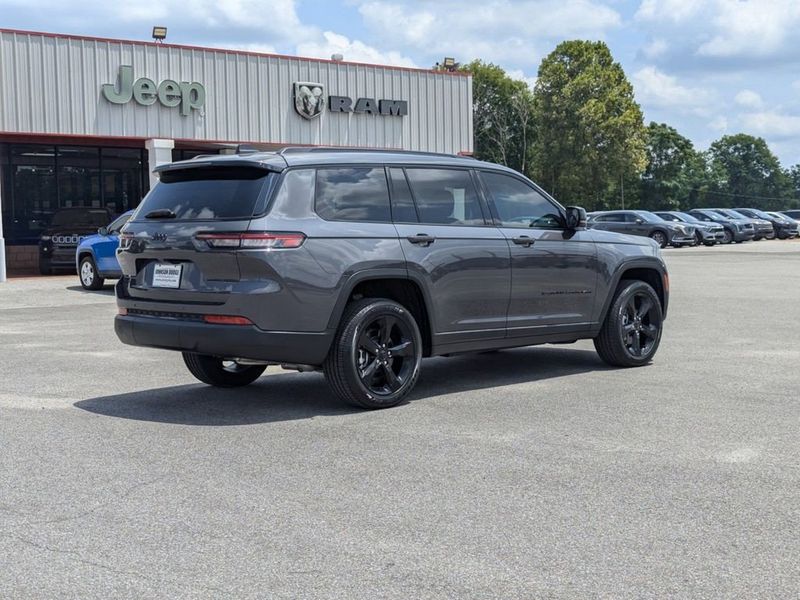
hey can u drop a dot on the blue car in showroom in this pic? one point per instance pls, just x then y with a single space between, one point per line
96 255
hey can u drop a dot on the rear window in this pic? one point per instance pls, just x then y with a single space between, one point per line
206 194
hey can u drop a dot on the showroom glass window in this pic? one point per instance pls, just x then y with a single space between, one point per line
40 179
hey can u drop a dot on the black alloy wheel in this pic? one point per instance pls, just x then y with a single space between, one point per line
375 358
385 351
640 324
631 332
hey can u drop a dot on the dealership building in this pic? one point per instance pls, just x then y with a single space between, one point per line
84 120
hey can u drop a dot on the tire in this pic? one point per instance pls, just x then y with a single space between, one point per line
660 238
634 314
87 273
698 237
362 366
220 373
728 239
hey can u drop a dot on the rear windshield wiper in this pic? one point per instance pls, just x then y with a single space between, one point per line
161 213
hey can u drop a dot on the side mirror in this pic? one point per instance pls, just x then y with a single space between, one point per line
103 231
575 218
639 221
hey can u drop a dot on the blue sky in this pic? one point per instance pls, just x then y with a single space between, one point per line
706 67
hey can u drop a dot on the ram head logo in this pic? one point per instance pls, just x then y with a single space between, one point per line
309 99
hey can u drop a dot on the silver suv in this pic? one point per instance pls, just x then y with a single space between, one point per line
362 262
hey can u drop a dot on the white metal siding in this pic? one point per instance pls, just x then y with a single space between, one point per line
51 85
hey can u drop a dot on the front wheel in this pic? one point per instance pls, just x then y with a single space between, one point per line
90 279
631 331
375 358
727 237
220 372
660 238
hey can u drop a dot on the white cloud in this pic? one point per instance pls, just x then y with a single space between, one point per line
672 10
656 48
752 28
515 34
520 75
659 90
772 124
352 50
719 123
749 99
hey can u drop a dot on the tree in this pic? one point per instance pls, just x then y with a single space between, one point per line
674 170
502 116
745 172
793 181
590 134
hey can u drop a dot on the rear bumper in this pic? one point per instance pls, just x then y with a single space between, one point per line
228 341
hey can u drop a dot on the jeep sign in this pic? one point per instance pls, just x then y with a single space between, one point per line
189 96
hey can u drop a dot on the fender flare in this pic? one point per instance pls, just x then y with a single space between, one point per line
652 264
372 275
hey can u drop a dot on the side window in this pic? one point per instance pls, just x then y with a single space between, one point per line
518 204
445 196
353 194
613 218
630 217
403 210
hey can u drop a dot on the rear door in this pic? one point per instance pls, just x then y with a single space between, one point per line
611 222
168 252
450 245
553 271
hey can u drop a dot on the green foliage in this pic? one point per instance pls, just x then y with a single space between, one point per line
502 116
590 135
743 171
674 170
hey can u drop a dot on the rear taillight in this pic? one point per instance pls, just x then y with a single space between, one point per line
263 240
226 320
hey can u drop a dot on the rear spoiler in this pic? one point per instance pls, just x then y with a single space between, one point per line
205 164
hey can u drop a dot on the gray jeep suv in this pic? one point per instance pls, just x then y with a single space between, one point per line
361 262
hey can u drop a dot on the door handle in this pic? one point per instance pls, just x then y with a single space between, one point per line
422 239
523 240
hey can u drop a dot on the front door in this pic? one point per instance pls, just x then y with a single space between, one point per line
553 271
452 247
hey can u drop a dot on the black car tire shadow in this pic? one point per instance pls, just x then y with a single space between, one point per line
291 396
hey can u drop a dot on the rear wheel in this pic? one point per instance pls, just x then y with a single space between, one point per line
375 358
87 272
728 236
220 372
660 238
631 331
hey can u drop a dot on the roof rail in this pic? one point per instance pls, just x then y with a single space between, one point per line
304 149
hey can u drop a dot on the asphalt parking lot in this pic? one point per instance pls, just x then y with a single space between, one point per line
527 473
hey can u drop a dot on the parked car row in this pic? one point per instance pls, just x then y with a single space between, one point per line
707 226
